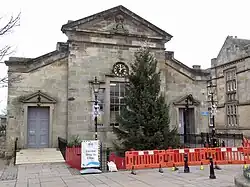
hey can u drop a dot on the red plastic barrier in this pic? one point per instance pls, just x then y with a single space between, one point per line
73 157
119 161
145 159
196 156
245 142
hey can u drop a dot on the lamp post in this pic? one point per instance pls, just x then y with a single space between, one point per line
189 98
96 88
211 92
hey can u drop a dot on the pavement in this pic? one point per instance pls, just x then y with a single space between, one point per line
58 174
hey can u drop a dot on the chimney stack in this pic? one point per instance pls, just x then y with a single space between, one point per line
196 67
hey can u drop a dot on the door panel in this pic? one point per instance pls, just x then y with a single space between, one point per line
38 127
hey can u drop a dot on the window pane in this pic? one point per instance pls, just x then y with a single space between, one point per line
116 100
228 109
227 76
234 85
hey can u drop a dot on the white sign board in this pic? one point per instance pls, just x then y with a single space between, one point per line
90 154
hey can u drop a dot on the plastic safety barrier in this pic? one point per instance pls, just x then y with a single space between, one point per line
196 156
145 159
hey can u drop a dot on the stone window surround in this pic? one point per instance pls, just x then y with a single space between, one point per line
230 84
234 114
230 93
24 127
118 104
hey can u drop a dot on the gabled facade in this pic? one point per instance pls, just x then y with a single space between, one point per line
230 72
53 96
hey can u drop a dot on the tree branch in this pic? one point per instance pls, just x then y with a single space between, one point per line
13 22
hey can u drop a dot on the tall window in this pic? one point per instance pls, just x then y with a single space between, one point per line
231 97
231 85
232 115
117 93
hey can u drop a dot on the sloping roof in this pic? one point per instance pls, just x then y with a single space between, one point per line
241 43
120 8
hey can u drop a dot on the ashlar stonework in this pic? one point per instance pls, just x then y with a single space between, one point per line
61 81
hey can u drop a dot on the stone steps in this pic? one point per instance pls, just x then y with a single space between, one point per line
36 156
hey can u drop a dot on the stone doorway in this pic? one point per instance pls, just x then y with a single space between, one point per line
186 124
38 127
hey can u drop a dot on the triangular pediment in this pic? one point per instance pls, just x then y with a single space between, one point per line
233 49
182 100
38 97
117 20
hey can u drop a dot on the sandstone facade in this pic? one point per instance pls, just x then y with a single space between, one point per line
61 80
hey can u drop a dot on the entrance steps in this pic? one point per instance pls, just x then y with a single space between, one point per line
37 156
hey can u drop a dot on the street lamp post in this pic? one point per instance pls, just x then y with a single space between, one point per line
189 98
96 88
211 92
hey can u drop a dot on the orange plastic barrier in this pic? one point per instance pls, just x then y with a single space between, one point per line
145 159
196 156
245 142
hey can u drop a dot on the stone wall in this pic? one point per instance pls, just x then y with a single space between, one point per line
50 79
181 82
85 62
2 146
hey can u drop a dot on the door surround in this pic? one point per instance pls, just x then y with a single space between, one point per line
36 99
24 128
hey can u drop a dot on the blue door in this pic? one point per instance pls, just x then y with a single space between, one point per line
38 127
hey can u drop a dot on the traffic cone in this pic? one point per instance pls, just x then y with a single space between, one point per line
201 167
174 168
245 166
160 169
133 171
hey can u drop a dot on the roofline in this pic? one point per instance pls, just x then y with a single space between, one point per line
231 62
122 8
185 66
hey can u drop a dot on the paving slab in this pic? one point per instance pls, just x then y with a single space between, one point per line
58 174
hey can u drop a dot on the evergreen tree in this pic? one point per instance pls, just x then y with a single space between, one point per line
144 122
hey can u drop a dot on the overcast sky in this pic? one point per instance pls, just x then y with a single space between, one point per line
199 27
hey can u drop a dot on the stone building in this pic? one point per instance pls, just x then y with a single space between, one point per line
230 72
52 94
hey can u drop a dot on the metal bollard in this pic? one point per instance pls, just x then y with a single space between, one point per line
186 168
212 175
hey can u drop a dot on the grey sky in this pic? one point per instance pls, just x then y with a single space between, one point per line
199 27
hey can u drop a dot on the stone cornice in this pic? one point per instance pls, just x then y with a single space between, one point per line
230 63
236 102
238 72
39 62
231 128
109 34
110 44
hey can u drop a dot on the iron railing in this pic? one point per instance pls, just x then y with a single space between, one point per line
62 144
200 140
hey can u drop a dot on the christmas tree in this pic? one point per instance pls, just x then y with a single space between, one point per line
144 122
